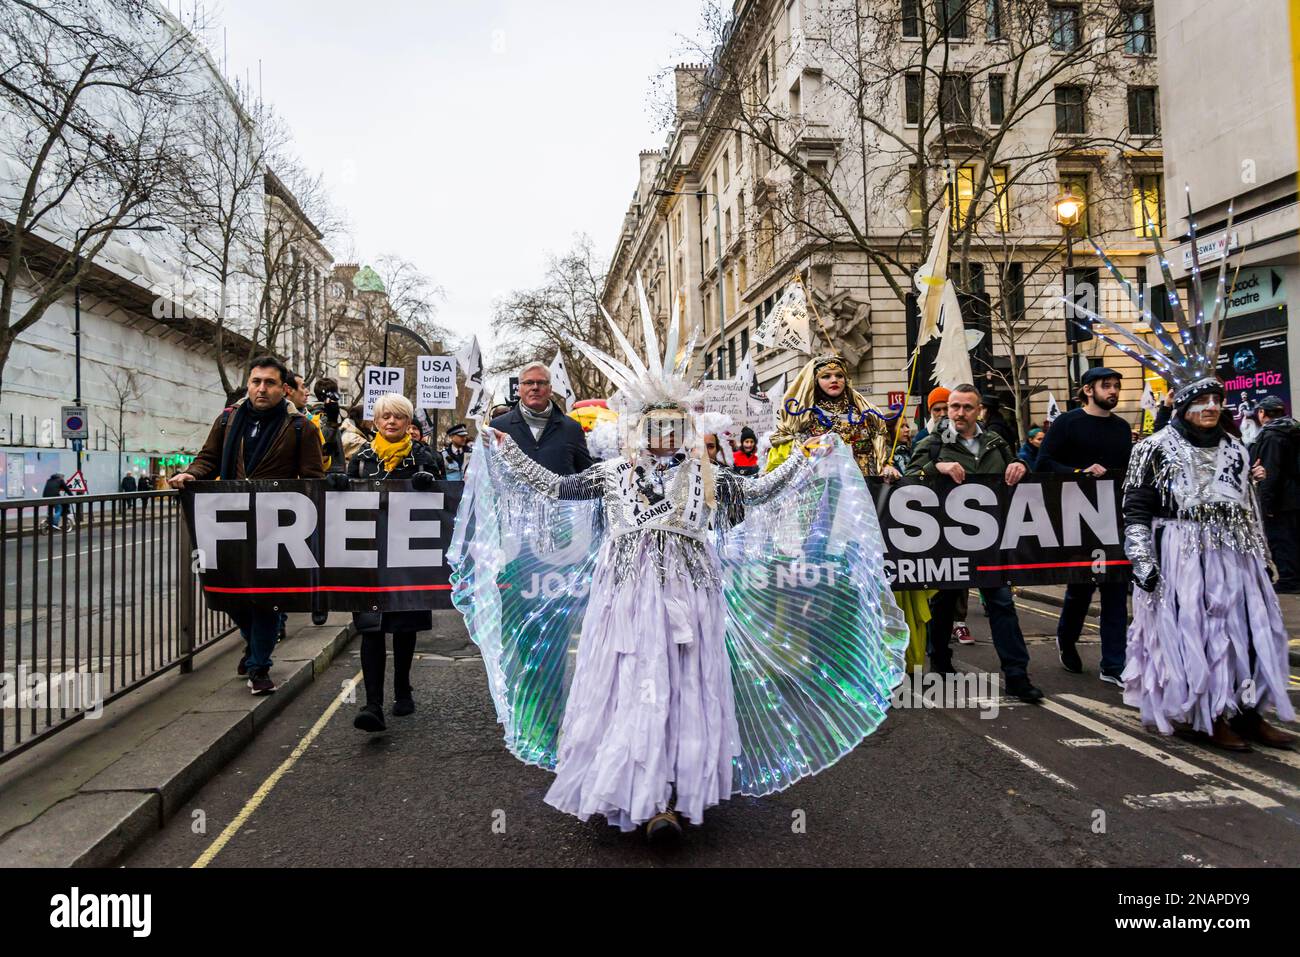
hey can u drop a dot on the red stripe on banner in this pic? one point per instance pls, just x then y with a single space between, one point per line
342 588
1007 568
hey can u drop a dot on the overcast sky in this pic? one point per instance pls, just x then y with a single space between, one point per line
470 138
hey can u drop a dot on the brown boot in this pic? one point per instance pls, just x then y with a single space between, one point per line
1226 738
1251 725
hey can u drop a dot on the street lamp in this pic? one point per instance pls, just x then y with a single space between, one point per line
1069 210
76 309
717 238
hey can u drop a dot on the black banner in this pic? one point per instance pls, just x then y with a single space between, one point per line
1046 529
382 546
295 546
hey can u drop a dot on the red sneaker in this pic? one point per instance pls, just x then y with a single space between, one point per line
962 634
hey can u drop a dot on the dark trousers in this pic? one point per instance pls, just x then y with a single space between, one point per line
1114 620
374 651
1007 638
1282 530
259 626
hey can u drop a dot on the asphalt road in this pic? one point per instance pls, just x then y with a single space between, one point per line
1072 783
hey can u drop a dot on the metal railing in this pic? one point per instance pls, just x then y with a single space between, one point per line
99 597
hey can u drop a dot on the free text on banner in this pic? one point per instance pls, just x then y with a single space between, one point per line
297 546
1047 529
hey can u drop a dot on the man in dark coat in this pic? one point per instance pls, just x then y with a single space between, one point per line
1277 448
259 438
540 427
963 447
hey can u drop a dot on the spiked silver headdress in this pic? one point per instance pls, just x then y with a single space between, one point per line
655 382
1187 359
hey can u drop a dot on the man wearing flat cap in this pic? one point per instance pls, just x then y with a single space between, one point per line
1091 440
1278 449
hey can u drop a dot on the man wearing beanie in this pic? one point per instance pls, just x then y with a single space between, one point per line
937 404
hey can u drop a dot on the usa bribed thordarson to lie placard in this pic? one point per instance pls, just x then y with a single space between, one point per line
297 546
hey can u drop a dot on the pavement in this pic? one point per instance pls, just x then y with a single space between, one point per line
1075 782
96 790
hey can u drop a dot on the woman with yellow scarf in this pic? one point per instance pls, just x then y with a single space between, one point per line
820 400
391 454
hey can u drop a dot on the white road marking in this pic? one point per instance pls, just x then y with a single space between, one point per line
1030 763
1197 799
1253 798
1087 743
1204 754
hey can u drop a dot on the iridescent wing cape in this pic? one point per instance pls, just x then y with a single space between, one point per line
814 636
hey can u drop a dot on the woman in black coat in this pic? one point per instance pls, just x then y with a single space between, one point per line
391 454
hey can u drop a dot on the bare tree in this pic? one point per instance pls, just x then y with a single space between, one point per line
125 385
530 324
93 93
299 217
223 195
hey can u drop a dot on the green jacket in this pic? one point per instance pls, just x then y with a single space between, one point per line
993 457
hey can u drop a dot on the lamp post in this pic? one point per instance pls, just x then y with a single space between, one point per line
717 239
1069 209
76 311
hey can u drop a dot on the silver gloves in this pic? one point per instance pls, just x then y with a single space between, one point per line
1139 547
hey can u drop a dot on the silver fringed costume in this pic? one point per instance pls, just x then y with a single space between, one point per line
644 649
1207 639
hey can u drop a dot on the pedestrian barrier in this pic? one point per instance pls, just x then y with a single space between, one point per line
99 597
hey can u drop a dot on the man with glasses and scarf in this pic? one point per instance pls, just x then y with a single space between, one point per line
541 429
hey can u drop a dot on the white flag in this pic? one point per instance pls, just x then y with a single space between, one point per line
787 325
952 361
470 360
1149 398
1053 410
560 385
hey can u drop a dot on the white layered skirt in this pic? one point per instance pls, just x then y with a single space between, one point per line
1210 641
651 704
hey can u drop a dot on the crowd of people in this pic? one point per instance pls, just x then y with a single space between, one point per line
274 430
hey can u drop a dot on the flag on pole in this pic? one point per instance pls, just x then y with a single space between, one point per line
787 325
560 384
952 362
1053 410
470 360
1148 398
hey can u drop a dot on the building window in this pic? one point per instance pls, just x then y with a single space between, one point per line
1148 205
708 364
1142 117
765 75
1002 209
744 342
731 358
1069 109
997 98
1064 19
1140 30
954 18
1013 289
713 182
726 230
726 169
993 19
912 96
911 18
1076 184
963 192
954 97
